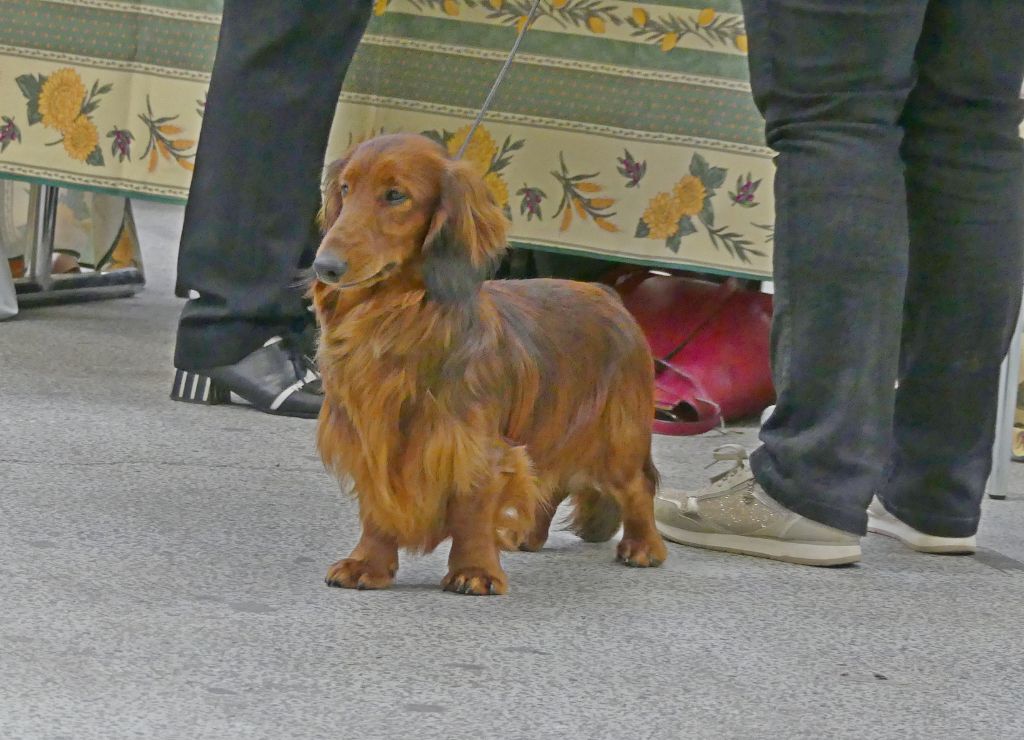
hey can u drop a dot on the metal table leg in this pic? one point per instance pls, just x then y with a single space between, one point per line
1009 377
39 285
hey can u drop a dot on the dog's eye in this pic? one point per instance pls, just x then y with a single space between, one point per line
393 197
344 190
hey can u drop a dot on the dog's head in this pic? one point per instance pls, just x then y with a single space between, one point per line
398 210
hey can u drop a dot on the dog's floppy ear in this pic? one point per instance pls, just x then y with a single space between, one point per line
467 234
330 205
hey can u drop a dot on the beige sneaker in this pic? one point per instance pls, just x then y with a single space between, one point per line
880 521
734 514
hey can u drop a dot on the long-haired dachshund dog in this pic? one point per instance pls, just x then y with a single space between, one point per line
461 407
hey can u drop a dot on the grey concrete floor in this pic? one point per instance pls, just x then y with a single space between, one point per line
161 572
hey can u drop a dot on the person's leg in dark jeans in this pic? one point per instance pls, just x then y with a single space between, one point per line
833 81
250 219
965 189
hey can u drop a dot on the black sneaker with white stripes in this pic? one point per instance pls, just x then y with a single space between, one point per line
277 379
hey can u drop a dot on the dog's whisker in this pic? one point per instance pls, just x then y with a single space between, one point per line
303 278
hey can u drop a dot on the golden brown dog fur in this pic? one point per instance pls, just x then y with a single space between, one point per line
467 408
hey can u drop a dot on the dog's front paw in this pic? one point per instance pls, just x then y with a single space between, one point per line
361 574
475 581
642 553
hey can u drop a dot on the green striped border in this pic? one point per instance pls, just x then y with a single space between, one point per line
205 10
109 35
101 65
759 151
646 261
627 54
191 45
77 181
559 94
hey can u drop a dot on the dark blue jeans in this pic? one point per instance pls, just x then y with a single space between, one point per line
898 250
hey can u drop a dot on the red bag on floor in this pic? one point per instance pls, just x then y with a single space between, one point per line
710 344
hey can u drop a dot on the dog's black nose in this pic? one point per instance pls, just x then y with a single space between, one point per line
329 268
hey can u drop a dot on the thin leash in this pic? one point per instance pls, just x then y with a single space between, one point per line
499 79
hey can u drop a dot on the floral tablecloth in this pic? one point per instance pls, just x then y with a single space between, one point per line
625 129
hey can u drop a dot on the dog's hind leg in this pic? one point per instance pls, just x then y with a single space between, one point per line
641 545
372 564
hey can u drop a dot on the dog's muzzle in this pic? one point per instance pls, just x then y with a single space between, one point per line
330 270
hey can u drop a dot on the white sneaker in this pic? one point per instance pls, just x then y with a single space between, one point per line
734 514
880 521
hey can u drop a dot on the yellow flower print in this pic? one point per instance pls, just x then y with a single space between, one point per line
520 22
496 4
450 7
481 149
498 188
559 4
688 195
669 41
640 17
480 155
706 16
595 24
81 138
380 7
741 43
61 98
662 216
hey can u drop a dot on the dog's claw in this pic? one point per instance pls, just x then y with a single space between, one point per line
636 553
357 574
475 582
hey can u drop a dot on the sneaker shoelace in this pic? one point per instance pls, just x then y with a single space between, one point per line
725 453
736 454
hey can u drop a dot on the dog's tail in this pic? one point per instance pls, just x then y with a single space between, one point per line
597 515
